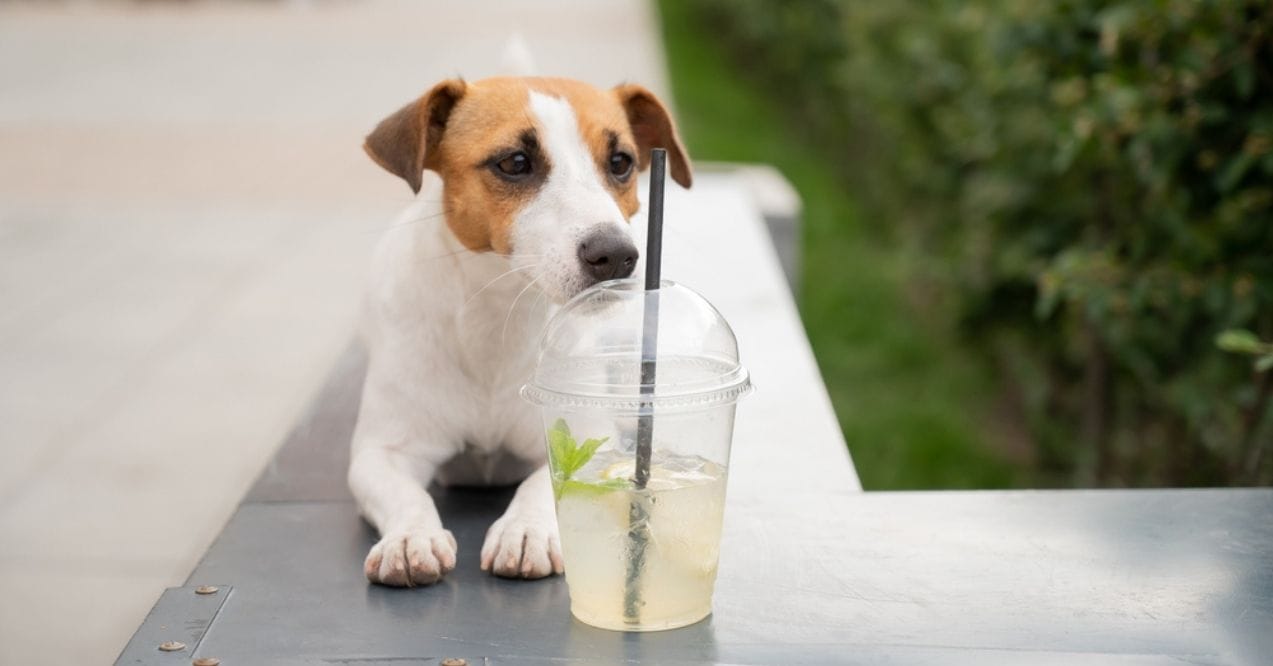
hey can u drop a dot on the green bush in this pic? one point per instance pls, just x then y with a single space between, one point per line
1088 184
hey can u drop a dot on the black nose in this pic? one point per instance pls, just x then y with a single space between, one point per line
607 256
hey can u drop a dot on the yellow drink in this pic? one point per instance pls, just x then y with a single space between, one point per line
682 505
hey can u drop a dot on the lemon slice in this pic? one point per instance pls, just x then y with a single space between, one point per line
619 470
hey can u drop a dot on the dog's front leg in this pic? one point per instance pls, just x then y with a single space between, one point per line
523 543
414 548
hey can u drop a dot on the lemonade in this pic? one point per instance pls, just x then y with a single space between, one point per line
678 518
637 387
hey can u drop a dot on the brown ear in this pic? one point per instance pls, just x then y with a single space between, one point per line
405 143
652 126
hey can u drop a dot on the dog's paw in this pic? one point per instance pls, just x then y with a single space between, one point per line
519 546
411 557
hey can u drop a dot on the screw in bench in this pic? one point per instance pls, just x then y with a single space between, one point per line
206 589
206 661
172 646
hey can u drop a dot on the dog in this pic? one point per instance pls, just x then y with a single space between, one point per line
528 187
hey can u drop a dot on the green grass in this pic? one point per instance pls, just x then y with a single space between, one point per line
913 404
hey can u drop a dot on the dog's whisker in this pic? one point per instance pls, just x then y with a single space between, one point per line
470 254
400 225
466 251
504 331
497 279
422 218
534 308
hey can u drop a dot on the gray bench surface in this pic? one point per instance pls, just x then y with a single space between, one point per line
1077 577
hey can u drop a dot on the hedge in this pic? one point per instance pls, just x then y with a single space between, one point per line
1088 184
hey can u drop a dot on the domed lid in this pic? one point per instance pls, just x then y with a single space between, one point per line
590 354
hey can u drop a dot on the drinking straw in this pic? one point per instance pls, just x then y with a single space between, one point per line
638 517
650 323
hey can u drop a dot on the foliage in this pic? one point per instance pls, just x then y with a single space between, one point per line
913 404
1088 184
1241 341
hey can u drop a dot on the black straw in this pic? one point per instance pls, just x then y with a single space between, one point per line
654 237
638 514
650 323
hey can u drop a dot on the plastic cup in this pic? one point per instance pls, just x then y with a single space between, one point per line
638 559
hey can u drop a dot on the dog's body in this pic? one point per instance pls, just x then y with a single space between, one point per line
532 205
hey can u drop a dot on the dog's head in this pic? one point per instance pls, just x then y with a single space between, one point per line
540 170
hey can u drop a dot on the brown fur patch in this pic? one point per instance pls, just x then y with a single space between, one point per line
403 144
480 207
652 127
491 116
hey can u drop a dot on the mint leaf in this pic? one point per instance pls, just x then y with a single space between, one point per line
561 445
597 488
568 456
589 448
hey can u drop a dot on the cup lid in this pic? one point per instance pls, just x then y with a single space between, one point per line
590 353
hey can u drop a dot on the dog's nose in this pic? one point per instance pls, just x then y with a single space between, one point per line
607 256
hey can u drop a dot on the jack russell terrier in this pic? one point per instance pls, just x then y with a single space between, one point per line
535 189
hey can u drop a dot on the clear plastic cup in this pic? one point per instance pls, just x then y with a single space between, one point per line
638 559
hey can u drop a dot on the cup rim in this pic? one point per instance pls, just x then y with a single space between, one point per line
738 386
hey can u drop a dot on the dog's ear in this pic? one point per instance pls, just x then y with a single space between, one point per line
406 143
653 128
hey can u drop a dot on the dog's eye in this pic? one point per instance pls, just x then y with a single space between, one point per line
517 164
621 166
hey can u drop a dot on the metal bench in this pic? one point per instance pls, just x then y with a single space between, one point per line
812 571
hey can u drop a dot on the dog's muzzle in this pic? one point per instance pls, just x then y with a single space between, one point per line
607 255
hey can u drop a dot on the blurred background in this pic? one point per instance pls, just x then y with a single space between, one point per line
1038 244
1037 241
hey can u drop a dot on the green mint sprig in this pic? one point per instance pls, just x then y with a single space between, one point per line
570 457
594 488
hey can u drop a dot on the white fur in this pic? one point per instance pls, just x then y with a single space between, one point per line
451 336
572 205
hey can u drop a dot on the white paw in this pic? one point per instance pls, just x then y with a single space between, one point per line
411 557
520 546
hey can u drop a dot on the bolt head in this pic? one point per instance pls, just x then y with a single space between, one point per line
453 661
172 646
206 589
206 661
